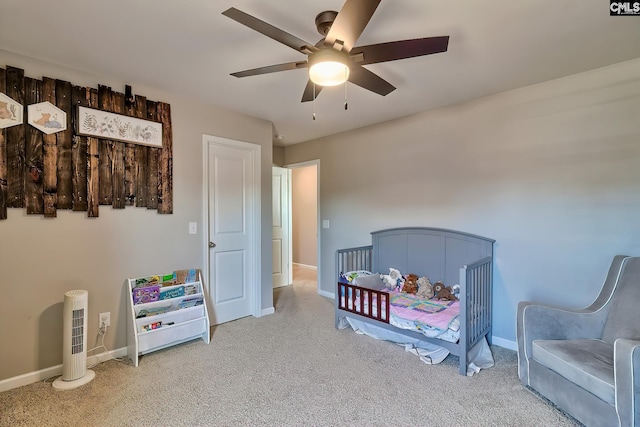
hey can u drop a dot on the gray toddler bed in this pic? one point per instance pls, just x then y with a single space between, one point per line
450 256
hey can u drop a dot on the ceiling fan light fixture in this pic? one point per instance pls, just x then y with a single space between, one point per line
328 67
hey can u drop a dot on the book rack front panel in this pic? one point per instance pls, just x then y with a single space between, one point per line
171 335
165 310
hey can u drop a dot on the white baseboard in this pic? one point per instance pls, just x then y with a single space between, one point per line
327 294
305 266
501 342
267 311
54 371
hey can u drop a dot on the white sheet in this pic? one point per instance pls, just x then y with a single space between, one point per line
479 356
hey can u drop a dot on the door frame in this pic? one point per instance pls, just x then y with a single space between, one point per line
318 225
256 245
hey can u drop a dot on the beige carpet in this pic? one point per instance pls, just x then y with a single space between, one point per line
292 368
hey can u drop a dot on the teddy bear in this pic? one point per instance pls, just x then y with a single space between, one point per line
425 289
410 285
443 293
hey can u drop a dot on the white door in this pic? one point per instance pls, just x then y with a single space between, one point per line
233 205
280 245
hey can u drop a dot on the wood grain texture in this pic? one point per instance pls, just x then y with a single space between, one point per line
64 141
34 154
93 181
153 159
15 142
130 170
93 164
50 163
78 153
105 151
117 161
3 155
142 155
165 199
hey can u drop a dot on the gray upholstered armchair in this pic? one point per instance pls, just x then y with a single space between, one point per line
587 361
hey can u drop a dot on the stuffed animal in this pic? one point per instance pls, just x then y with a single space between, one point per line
393 280
410 285
443 293
455 290
425 290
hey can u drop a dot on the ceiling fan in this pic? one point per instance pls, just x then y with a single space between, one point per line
334 59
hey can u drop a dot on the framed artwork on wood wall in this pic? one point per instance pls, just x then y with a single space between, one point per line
102 124
46 117
10 112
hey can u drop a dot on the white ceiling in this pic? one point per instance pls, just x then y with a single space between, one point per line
189 48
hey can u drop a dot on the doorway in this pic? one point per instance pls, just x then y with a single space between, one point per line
305 214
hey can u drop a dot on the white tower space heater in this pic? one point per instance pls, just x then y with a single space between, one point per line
74 342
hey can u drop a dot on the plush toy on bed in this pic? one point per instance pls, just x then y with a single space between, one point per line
455 290
410 285
443 293
425 290
393 280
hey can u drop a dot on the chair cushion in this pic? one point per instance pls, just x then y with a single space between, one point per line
586 363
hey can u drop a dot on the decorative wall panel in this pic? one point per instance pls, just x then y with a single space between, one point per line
49 165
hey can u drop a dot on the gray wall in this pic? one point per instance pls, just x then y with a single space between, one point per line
278 156
41 258
550 171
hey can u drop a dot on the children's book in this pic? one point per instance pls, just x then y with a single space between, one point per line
146 312
184 276
145 294
191 289
171 293
144 281
151 326
189 302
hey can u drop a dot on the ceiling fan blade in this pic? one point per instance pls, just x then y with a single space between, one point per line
366 79
271 69
350 23
401 49
269 30
308 91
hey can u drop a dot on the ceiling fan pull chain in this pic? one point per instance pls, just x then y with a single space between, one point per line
314 101
346 104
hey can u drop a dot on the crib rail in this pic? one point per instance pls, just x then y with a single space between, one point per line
353 259
365 302
475 293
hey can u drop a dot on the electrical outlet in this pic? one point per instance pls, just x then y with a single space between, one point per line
104 319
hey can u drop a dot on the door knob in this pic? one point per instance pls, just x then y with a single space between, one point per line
212 245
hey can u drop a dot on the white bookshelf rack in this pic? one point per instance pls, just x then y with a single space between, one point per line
156 324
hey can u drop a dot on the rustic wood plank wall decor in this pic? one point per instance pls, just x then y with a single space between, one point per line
3 155
65 170
15 142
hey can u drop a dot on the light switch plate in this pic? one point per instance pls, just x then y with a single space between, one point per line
325 223
193 228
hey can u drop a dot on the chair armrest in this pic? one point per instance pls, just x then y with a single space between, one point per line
626 369
546 322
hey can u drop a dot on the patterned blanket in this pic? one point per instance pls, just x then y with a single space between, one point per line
430 313
430 317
